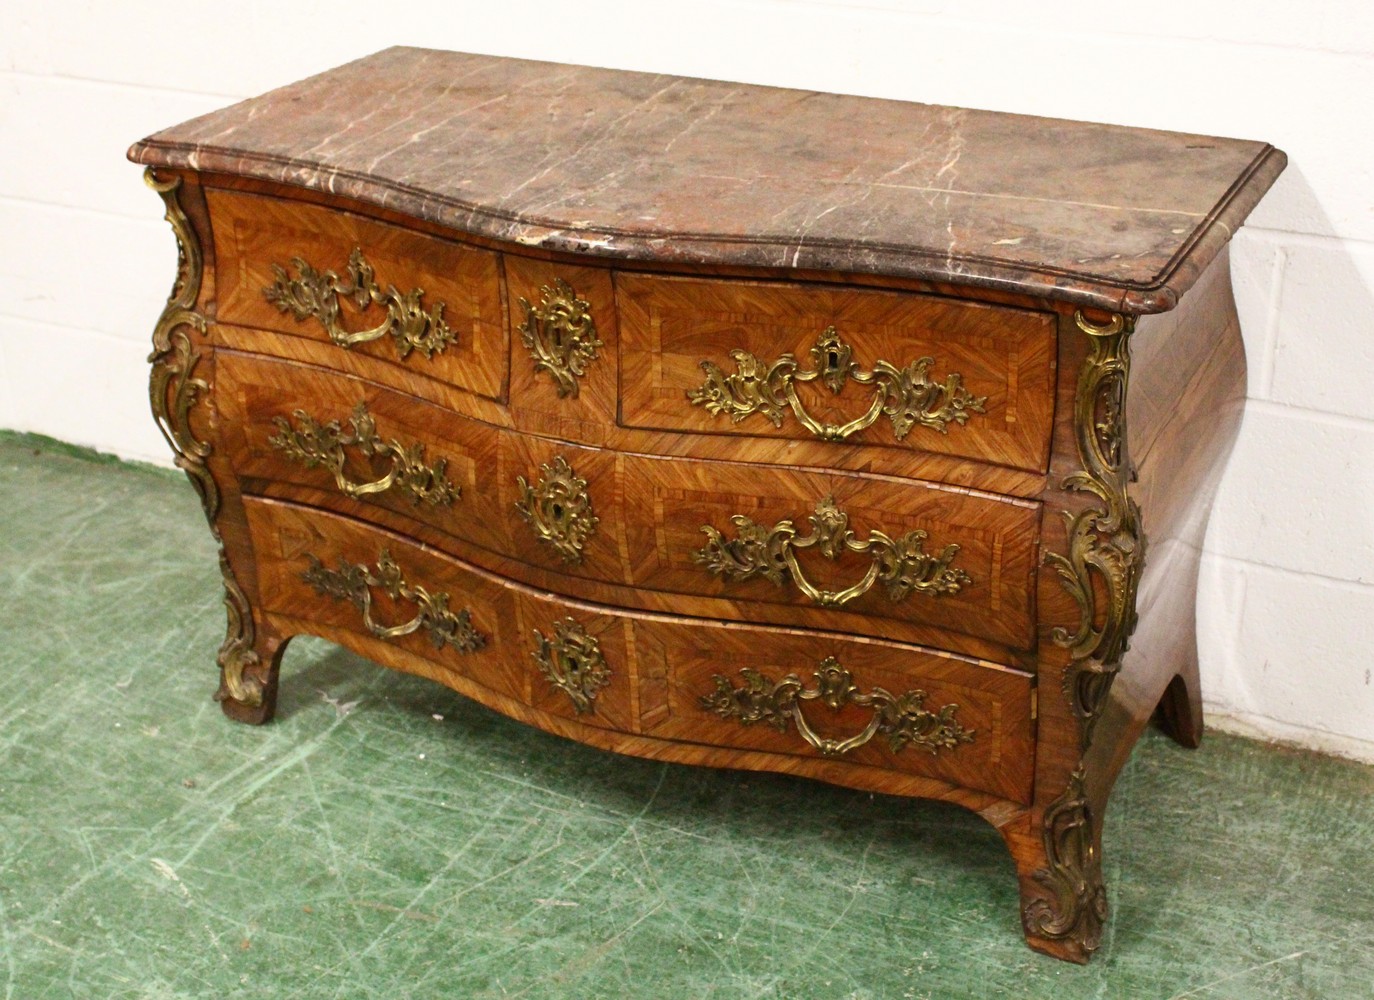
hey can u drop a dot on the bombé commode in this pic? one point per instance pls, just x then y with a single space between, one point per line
719 424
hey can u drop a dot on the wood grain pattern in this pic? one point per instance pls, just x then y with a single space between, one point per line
253 233
992 702
651 511
669 326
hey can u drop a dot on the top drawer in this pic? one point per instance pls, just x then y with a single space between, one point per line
404 298
807 362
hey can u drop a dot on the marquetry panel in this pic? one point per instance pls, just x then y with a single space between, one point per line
996 540
261 397
252 233
1003 359
991 718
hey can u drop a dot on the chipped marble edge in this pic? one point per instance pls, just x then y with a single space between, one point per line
1163 294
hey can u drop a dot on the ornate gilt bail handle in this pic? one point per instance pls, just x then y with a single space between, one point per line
560 335
318 294
901 565
900 718
352 582
315 444
906 396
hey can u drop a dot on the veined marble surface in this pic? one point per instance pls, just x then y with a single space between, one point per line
654 167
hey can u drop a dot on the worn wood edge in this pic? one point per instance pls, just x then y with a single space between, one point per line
712 249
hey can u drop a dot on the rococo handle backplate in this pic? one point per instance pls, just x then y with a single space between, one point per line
901 564
318 294
900 718
906 396
560 335
314 444
353 582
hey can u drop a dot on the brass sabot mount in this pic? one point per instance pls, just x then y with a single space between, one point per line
908 396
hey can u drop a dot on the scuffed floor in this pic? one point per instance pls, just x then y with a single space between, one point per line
384 838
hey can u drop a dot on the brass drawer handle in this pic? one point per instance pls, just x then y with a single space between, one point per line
352 582
572 662
906 396
560 335
902 565
900 718
315 444
558 508
318 294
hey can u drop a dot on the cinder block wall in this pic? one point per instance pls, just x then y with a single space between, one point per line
1287 605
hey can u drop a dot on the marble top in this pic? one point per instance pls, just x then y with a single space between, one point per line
641 166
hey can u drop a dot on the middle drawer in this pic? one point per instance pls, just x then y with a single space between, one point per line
813 548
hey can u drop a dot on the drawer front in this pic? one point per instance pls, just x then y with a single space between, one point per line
322 569
750 542
875 368
812 548
793 694
405 299
816 694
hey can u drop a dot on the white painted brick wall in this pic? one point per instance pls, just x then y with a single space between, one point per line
1287 603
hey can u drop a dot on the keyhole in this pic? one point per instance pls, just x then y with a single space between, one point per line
834 360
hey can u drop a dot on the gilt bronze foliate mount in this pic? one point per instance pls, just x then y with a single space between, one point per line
315 444
317 294
560 335
571 661
901 565
908 396
354 583
558 509
901 719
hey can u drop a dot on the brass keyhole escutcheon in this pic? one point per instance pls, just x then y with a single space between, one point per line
558 508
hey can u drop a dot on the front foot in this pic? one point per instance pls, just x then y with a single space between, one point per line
249 659
248 680
1059 866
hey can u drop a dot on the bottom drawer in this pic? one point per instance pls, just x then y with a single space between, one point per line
683 682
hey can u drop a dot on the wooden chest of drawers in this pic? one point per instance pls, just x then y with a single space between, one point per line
719 424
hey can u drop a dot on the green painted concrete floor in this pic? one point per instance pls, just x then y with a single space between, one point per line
385 838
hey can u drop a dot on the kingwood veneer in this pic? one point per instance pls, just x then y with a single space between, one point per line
719 424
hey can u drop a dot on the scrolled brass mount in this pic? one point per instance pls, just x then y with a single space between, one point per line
560 335
572 662
907 396
315 293
558 509
901 564
352 582
900 718
315 444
